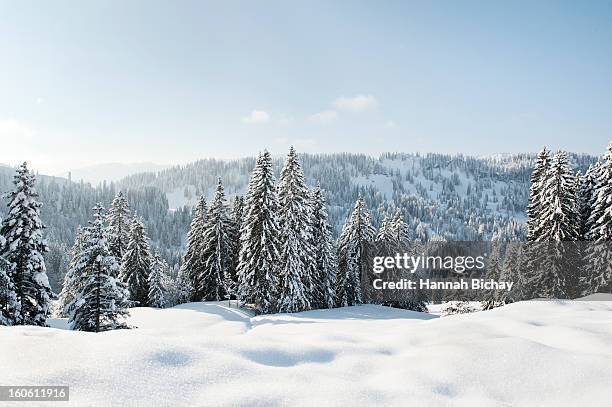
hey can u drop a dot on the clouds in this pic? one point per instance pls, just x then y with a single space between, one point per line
324 117
257 116
342 107
357 103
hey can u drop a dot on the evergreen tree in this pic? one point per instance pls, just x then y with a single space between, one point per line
158 284
586 186
100 300
555 274
296 259
67 294
236 222
534 210
259 239
323 250
599 257
184 290
192 260
119 221
352 255
136 264
216 251
8 297
23 247
559 220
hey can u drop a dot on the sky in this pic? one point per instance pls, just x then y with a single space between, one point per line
83 83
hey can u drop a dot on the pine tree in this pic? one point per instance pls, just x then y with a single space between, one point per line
119 221
559 220
216 251
100 300
23 250
192 260
586 186
158 284
136 264
8 297
323 250
67 294
183 287
555 274
599 253
534 210
258 279
237 215
296 259
352 255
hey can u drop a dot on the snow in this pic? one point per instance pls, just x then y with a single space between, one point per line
540 353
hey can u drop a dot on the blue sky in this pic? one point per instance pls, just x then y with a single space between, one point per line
170 82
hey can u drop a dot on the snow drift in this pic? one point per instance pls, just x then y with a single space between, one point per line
526 354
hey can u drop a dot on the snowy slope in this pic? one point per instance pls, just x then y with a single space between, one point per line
206 354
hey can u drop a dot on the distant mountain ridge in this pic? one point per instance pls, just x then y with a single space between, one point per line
110 172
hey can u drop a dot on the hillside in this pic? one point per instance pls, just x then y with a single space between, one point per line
525 354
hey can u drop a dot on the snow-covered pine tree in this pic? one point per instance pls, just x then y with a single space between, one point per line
192 260
534 209
100 299
599 257
323 251
183 287
258 279
385 237
400 229
158 284
352 256
119 219
559 220
236 223
601 215
8 297
136 264
586 190
556 274
67 293
296 261
23 250
216 251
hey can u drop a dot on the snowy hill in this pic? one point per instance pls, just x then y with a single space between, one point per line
526 354
109 172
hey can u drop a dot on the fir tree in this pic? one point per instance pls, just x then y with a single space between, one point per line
67 294
555 274
119 221
323 251
534 210
136 264
586 186
231 284
183 287
559 220
260 245
352 255
296 259
100 300
158 282
8 297
23 247
599 252
216 251
192 260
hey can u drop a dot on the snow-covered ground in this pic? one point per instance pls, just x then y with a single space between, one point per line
537 353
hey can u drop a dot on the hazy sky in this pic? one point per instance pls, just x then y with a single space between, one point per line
170 82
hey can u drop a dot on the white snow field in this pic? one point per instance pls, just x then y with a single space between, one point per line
538 353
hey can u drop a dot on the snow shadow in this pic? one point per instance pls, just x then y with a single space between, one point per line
277 358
